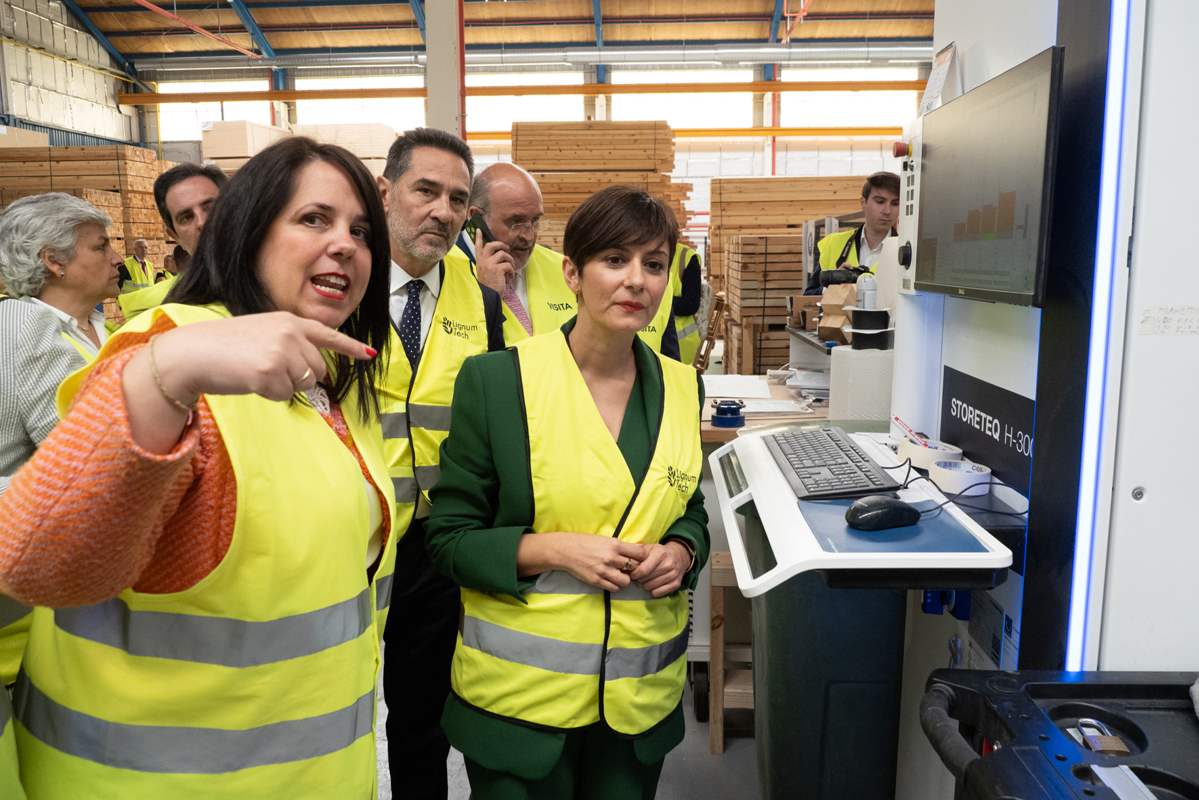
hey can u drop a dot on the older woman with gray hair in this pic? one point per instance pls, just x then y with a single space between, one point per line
56 264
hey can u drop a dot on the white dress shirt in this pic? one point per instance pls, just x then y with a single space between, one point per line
96 318
867 255
428 297
428 304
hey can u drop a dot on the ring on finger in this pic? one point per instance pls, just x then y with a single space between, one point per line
628 565
307 374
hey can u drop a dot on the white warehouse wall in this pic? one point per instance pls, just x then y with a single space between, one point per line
53 72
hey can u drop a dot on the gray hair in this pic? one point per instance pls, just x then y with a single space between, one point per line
44 223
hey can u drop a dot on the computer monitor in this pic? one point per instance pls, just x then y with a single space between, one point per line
986 187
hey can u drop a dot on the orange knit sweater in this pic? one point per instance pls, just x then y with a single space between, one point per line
92 514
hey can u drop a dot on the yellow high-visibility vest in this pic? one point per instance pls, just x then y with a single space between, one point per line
257 681
551 303
415 404
140 276
686 326
135 302
569 654
10 771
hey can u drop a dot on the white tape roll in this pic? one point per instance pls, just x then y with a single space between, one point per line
922 456
961 478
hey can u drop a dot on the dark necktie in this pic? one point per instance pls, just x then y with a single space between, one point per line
410 322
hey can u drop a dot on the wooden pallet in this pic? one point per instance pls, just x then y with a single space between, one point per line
763 271
752 348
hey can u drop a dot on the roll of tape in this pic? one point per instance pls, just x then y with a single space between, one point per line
923 456
961 478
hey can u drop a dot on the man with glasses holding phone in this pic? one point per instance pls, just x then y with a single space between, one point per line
500 244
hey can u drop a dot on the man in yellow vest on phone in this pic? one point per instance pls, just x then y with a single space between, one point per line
500 245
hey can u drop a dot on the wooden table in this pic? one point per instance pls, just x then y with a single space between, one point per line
709 434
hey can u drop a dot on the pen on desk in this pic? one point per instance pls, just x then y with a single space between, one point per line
915 437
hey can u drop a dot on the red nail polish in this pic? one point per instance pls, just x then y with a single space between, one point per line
372 352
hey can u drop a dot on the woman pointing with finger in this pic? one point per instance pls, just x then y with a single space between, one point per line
569 512
207 534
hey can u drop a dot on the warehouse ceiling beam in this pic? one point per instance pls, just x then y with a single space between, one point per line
775 19
732 133
206 5
674 52
418 13
251 25
98 35
584 90
597 14
162 12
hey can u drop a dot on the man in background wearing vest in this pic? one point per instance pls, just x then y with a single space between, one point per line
527 276
137 272
184 195
686 281
440 315
859 248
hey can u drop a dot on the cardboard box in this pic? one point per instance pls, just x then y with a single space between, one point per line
805 312
833 317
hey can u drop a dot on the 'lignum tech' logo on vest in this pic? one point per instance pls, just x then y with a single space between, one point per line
459 329
680 481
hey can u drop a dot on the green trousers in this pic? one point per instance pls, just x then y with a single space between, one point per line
596 764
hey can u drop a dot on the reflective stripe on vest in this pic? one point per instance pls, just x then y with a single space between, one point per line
183 750
415 409
259 676
545 659
10 771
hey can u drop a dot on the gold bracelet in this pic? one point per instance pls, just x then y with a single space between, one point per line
688 548
184 407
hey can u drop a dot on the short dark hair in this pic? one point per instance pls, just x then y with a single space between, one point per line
178 174
224 268
615 217
886 181
399 156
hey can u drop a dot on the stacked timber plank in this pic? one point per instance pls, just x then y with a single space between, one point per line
593 146
762 272
97 174
370 141
776 205
573 160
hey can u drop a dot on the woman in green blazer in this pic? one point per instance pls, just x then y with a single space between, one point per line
569 512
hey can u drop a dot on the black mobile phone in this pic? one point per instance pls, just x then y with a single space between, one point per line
477 223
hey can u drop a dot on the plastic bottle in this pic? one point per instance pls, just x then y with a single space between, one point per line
867 292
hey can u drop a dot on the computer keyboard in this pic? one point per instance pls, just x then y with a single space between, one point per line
824 463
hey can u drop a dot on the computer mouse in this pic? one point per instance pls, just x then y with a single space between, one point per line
878 512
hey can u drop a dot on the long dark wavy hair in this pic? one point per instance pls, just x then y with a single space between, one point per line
225 265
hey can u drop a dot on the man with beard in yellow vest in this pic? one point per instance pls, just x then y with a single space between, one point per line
528 276
440 315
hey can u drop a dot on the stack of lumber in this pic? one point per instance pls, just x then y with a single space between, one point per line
108 202
119 179
230 144
776 205
573 160
763 271
593 146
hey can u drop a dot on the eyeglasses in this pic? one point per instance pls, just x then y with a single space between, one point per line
529 226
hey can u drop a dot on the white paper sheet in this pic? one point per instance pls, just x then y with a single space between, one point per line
743 387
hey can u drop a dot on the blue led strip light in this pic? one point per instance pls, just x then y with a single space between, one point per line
1097 360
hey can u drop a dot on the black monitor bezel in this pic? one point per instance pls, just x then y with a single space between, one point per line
1036 298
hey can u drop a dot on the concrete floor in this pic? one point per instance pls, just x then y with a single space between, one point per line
690 772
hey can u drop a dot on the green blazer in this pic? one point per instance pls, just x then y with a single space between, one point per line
482 506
